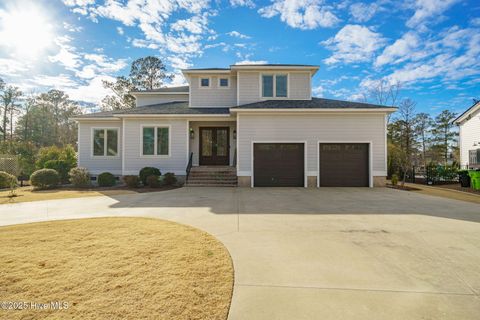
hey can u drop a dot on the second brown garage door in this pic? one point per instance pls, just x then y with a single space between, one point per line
344 165
278 164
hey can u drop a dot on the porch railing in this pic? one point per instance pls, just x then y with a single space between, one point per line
189 166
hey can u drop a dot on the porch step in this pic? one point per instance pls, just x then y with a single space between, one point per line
212 177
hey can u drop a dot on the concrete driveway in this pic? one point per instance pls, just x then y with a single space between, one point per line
319 254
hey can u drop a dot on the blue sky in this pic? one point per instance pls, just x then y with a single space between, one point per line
430 47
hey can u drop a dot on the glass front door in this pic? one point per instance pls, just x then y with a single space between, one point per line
214 146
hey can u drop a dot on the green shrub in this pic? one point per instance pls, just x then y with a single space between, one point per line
79 177
132 181
61 166
7 180
45 178
169 179
394 179
66 154
106 179
153 181
148 171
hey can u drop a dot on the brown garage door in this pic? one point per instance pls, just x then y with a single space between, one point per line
278 164
344 165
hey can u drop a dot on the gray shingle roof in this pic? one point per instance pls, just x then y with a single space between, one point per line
315 103
103 114
178 107
167 89
275 65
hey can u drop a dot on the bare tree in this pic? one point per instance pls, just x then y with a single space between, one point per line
385 93
9 97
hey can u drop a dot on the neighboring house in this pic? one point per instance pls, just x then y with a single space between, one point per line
469 127
260 120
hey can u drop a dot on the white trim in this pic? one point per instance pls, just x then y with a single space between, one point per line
238 88
190 95
244 173
156 126
237 128
94 119
188 142
313 69
78 145
370 158
218 82
105 156
140 93
385 152
310 86
311 110
199 107
312 173
123 146
176 116
206 71
200 82
279 142
466 114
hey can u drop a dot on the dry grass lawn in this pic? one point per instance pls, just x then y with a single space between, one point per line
27 194
115 268
446 193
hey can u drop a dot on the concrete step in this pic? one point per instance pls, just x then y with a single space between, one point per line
205 181
216 174
211 185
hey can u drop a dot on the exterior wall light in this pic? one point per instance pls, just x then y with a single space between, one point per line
234 134
192 133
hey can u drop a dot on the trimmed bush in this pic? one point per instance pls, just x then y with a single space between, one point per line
106 179
169 179
7 180
79 177
45 178
132 181
153 181
61 166
394 179
148 171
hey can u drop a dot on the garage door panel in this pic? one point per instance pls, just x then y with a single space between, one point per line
278 164
344 164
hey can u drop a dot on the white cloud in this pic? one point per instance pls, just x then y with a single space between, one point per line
67 56
196 24
12 67
302 14
428 9
399 50
60 82
475 22
179 63
251 62
93 91
362 12
120 31
71 28
238 35
353 43
318 91
242 3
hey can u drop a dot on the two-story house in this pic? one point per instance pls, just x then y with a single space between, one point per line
469 131
258 121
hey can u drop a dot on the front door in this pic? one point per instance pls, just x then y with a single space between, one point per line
214 146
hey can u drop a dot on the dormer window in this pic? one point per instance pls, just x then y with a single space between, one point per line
274 86
205 82
223 83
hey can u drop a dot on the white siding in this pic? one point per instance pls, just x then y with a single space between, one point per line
469 133
312 128
149 99
299 87
176 162
214 96
195 142
97 165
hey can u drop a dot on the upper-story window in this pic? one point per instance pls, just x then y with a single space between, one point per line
274 86
223 83
204 82
105 142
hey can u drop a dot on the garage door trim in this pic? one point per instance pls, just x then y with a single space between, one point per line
370 171
252 182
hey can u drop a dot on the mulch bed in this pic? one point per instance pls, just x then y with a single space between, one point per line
458 187
404 188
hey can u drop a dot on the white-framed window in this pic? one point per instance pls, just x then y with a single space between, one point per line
204 82
224 82
155 141
274 85
105 142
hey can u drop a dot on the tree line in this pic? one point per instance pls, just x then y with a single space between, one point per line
30 123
